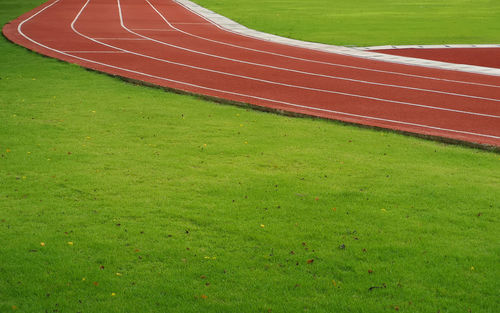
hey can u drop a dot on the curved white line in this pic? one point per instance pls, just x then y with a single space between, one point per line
19 29
286 69
325 63
262 80
450 46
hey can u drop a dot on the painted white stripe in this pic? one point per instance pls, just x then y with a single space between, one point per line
120 38
19 29
154 29
288 69
451 46
68 51
233 27
192 23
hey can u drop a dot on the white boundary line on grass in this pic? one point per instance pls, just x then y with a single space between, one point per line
19 29
230 25
453 46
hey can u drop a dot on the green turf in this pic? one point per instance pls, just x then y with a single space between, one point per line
174 204
369 22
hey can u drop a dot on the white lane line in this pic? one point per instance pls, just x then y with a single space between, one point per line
292 70
69 51
19 29
316 61
183 23
155 29
120 38
268 81
450 46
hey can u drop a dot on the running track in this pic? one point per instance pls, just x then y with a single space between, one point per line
161 42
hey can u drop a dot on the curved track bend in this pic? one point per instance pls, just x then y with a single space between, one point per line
161 42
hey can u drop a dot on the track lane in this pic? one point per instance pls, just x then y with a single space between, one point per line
261 95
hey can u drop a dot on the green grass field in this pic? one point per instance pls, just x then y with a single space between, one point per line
120 198
369 22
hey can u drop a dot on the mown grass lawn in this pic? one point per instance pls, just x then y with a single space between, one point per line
369 22
121 198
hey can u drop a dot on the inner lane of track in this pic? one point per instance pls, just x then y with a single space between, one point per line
161 42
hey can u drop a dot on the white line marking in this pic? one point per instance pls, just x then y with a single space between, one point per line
287 69
450 46
191 23
181 3
68 51
120 38
19 29
155 29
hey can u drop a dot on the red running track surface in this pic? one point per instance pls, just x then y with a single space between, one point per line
163 43
489 57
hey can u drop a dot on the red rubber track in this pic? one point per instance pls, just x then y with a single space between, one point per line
163 43
489 57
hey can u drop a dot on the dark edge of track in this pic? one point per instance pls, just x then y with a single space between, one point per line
440 139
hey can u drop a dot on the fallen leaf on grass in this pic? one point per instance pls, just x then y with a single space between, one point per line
42 244
204 296
375 287
310 261
70 243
